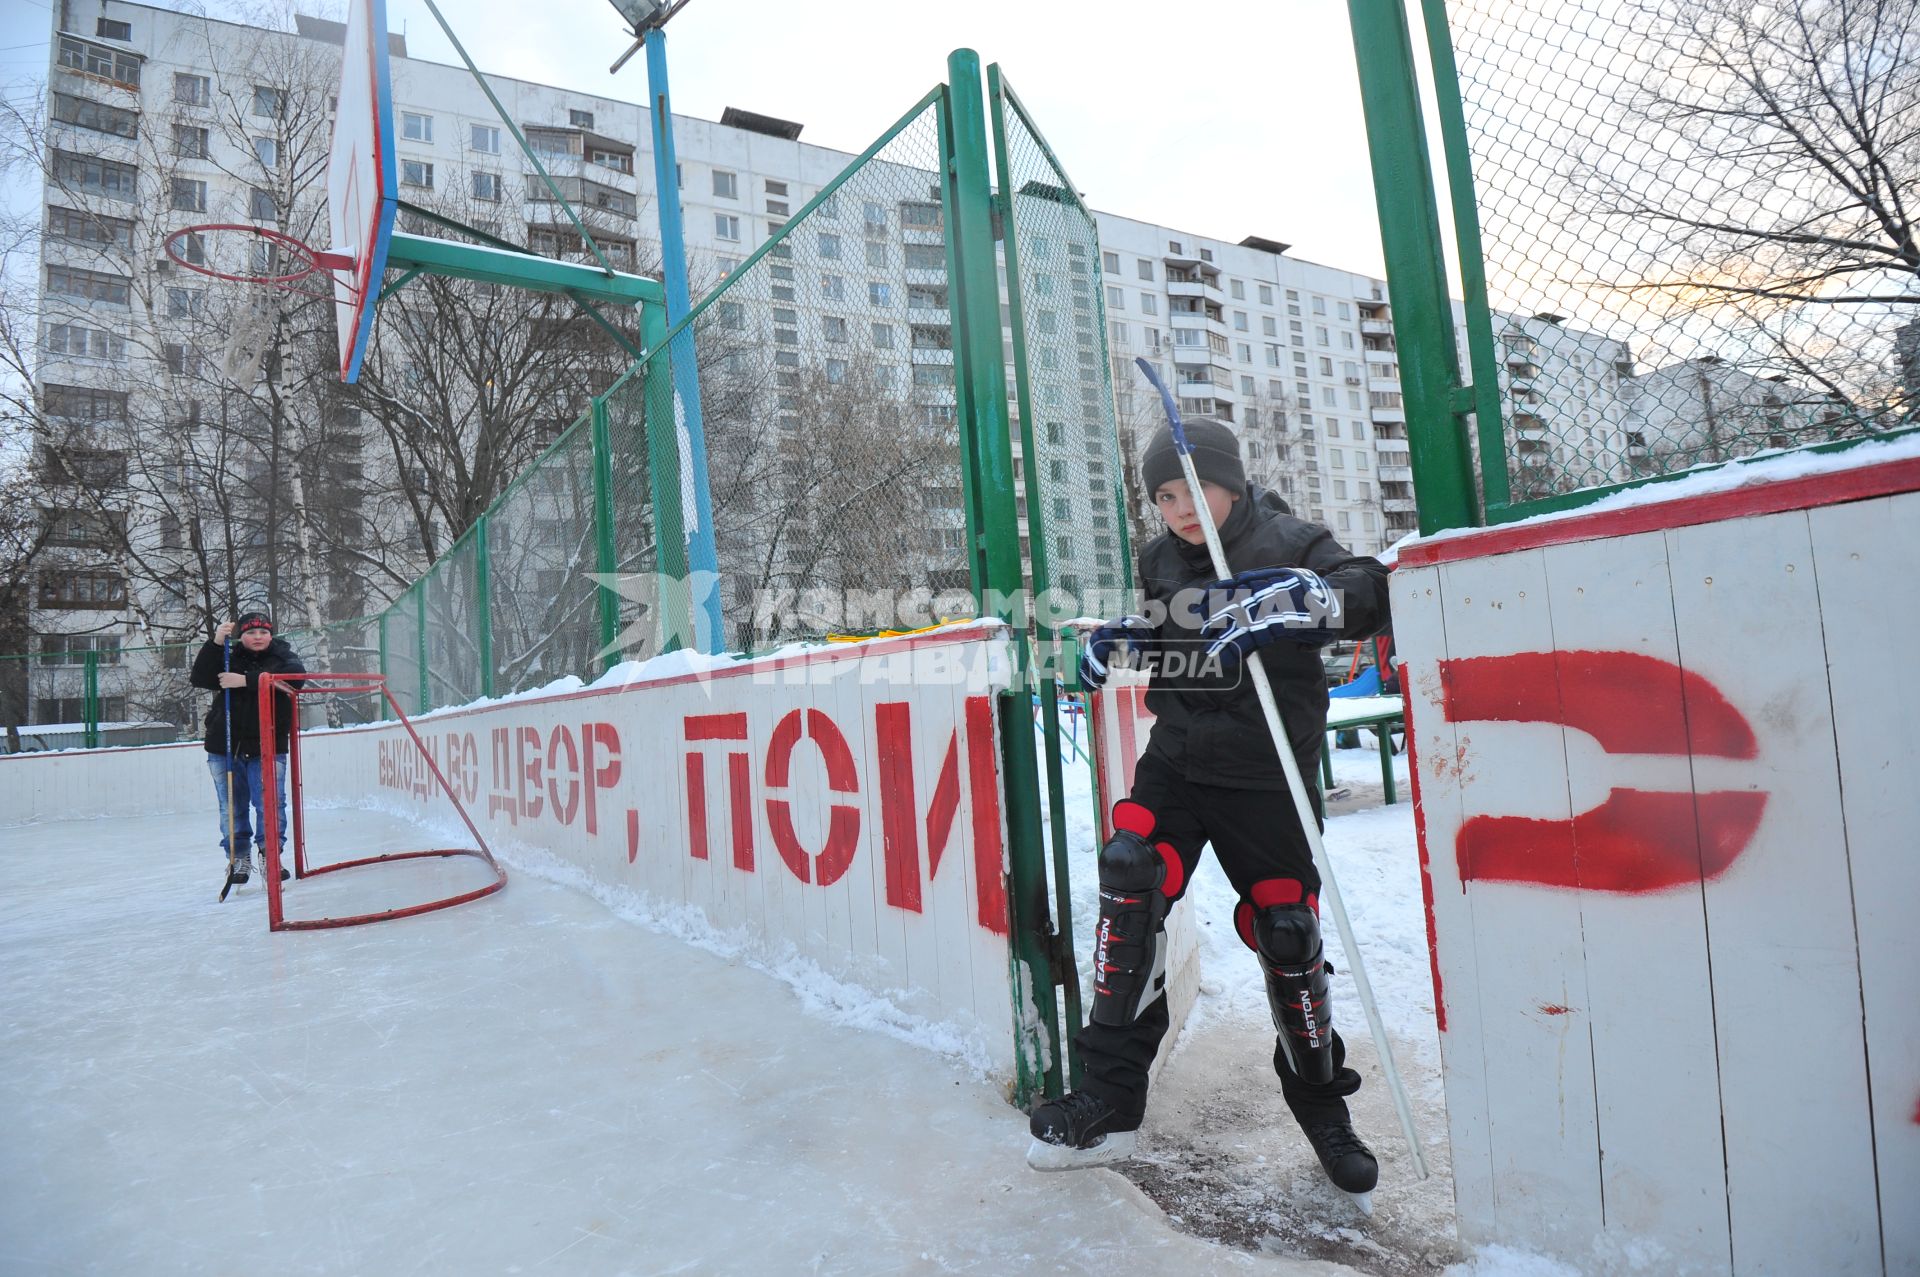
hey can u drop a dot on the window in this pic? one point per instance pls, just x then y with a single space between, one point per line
1273 355
1333 428
262 207
82 590
883 336
1266 294
926 257
268 103
1346 520
836 371
484 138
1117 332
1243 352
1329 397
919 216
84 113
415 127
191 90
1339 489
778 208
931 375
94 175
1343 310
580 119
1269 325
1337 458
1145 268
1110 262
1246 385
1240 321
879 293
189 195
1320 334
1238 289
182 360
1346 341
1149 304
267 151
82 228
98 59
726 186
108 29
833 288
486 186
876 252
83 527
1319 305
1360 461
1116 298
86 343
834 329
829 246
874 216
1173 246
83 403
87 285
726 226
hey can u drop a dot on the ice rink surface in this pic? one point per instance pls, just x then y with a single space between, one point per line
526 1084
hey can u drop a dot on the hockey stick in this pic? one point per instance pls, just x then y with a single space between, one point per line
1302 805
226 665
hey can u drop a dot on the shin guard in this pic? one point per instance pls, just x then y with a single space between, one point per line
1136 880
1287 937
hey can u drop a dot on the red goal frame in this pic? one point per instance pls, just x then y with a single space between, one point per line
293 687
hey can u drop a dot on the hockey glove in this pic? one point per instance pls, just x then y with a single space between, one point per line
1130 635
1247 612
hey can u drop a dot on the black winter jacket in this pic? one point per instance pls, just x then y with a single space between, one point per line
277 658
1211 729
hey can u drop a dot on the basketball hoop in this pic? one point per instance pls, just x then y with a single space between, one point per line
256 255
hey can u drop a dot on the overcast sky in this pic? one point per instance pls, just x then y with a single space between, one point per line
1219 117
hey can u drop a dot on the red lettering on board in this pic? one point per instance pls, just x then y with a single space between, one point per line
721 727
560 742
600 761
527 744
1634 841
843 827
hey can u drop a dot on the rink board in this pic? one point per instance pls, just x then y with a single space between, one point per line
1118 727
843 804
1664 760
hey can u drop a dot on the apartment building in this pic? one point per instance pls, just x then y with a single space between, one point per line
159 120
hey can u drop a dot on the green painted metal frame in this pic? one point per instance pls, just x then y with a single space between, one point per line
1066 971
1416 267
530 271
605 555
663 467
90 702
975 301
420 642
483 603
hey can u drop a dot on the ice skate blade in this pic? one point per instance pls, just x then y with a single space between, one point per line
1362 1202
1118 1147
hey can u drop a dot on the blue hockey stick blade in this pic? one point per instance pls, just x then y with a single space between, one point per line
1166 401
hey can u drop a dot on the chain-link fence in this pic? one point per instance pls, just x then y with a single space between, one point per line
1697 223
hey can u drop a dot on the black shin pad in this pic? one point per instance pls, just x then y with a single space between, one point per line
1127 960
1288 940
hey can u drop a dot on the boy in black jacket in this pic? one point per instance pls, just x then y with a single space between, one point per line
1210 775
258 652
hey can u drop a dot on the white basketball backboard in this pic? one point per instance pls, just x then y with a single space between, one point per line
362 184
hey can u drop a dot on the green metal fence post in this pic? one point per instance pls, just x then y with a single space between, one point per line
420 644
663 474
383 642
607 560
90 712
1040 561
1488 411
980 383
483 604
1416 266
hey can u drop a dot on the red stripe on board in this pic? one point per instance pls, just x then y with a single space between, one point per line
739 786
717 726
1420 844
988 843
1635 842
1860 483
899 840
1629 703
697 806
946 801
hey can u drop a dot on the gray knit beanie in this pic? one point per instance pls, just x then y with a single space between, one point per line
1216 456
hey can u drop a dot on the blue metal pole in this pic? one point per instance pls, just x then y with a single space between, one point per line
701 554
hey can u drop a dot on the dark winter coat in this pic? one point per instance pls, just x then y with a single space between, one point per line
277 658
1211 729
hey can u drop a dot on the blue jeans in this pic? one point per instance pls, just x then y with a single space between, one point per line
247 773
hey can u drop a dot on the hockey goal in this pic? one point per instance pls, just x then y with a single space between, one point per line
280 697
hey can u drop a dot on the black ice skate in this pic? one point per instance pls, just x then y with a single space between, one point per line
1347 1160
1077 1131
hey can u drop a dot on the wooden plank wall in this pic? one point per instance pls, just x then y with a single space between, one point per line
1669 808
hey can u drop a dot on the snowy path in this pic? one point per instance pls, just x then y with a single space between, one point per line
529 1084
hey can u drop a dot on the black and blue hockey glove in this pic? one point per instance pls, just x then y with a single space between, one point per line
1129 634
1247 612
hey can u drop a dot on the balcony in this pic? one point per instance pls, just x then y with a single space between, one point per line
1376 328
1395 474
1381 355
1399 505
1389 414
1193 288
930 355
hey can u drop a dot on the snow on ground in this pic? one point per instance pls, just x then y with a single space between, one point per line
562 1079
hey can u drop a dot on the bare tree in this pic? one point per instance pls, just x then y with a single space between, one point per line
1771 187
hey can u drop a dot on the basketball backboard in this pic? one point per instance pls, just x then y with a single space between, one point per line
362 182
